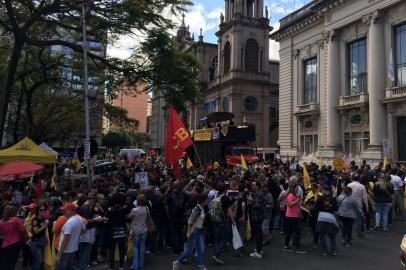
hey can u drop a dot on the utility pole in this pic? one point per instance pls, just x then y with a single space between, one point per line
86 90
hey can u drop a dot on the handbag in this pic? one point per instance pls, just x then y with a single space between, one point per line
150 223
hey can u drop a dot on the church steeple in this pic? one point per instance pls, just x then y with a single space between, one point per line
183 32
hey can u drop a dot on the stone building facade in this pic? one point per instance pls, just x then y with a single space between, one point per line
343 80
237 75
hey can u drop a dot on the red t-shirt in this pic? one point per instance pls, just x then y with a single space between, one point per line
11 233
293 210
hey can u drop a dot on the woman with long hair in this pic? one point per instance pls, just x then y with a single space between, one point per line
12 230
383 191
38 225
293 219
139 217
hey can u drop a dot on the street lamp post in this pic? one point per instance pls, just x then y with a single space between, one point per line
86 90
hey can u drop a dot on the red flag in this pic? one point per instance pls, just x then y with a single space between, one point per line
177 141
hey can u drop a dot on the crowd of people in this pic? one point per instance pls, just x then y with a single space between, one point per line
218 205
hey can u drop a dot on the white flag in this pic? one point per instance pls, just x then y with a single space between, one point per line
391 72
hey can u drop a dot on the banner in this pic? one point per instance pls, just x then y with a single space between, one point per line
202 135
142 179
339 164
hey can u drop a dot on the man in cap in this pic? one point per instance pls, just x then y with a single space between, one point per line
69 239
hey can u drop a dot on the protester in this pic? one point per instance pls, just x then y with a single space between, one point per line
194 235
139 216
349 209
69 238
327 225
383 191
114 214
293 219
360 193
12 230
116 217
38 240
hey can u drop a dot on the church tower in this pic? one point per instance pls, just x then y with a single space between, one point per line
243 37
242 81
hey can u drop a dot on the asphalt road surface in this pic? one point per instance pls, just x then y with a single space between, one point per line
377 251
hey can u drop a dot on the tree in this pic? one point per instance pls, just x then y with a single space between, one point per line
115 138
24 22
139 139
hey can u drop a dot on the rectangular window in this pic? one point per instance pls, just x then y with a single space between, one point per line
357 67
400 55
310 81
308 144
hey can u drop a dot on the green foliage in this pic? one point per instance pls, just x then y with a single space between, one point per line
139 140
43 24
115 139
119 117
170 73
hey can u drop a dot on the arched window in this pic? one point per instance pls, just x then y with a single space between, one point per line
213 69
227 57
251 55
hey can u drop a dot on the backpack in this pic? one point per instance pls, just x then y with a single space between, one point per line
216 211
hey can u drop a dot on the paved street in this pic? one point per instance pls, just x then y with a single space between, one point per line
378 251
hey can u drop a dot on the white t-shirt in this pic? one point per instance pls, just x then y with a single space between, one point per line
72 227
397 182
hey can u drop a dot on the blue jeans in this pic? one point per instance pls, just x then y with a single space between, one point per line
196 239
36 256
360 224
85 250
323 244
382 211
139 250
219 237
66 262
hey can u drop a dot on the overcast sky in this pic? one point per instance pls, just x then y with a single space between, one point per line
205 14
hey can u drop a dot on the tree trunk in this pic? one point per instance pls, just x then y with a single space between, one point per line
18 115
8 81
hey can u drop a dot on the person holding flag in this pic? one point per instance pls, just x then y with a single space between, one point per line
177 141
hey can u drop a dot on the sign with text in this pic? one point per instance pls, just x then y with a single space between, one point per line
142 179
202 135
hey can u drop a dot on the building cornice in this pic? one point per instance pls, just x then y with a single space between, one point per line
308 15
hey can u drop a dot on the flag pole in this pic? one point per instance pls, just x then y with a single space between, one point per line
197 154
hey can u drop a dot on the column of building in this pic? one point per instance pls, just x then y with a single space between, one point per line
376 81
333 92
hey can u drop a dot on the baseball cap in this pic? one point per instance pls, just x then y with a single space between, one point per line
69 206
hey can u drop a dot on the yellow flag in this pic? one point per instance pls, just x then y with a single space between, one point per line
321 162
78 165
189 163
49 253
243 163
306 177
385 161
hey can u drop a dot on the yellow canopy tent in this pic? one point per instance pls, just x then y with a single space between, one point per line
26 150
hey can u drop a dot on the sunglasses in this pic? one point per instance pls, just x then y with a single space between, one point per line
42 210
